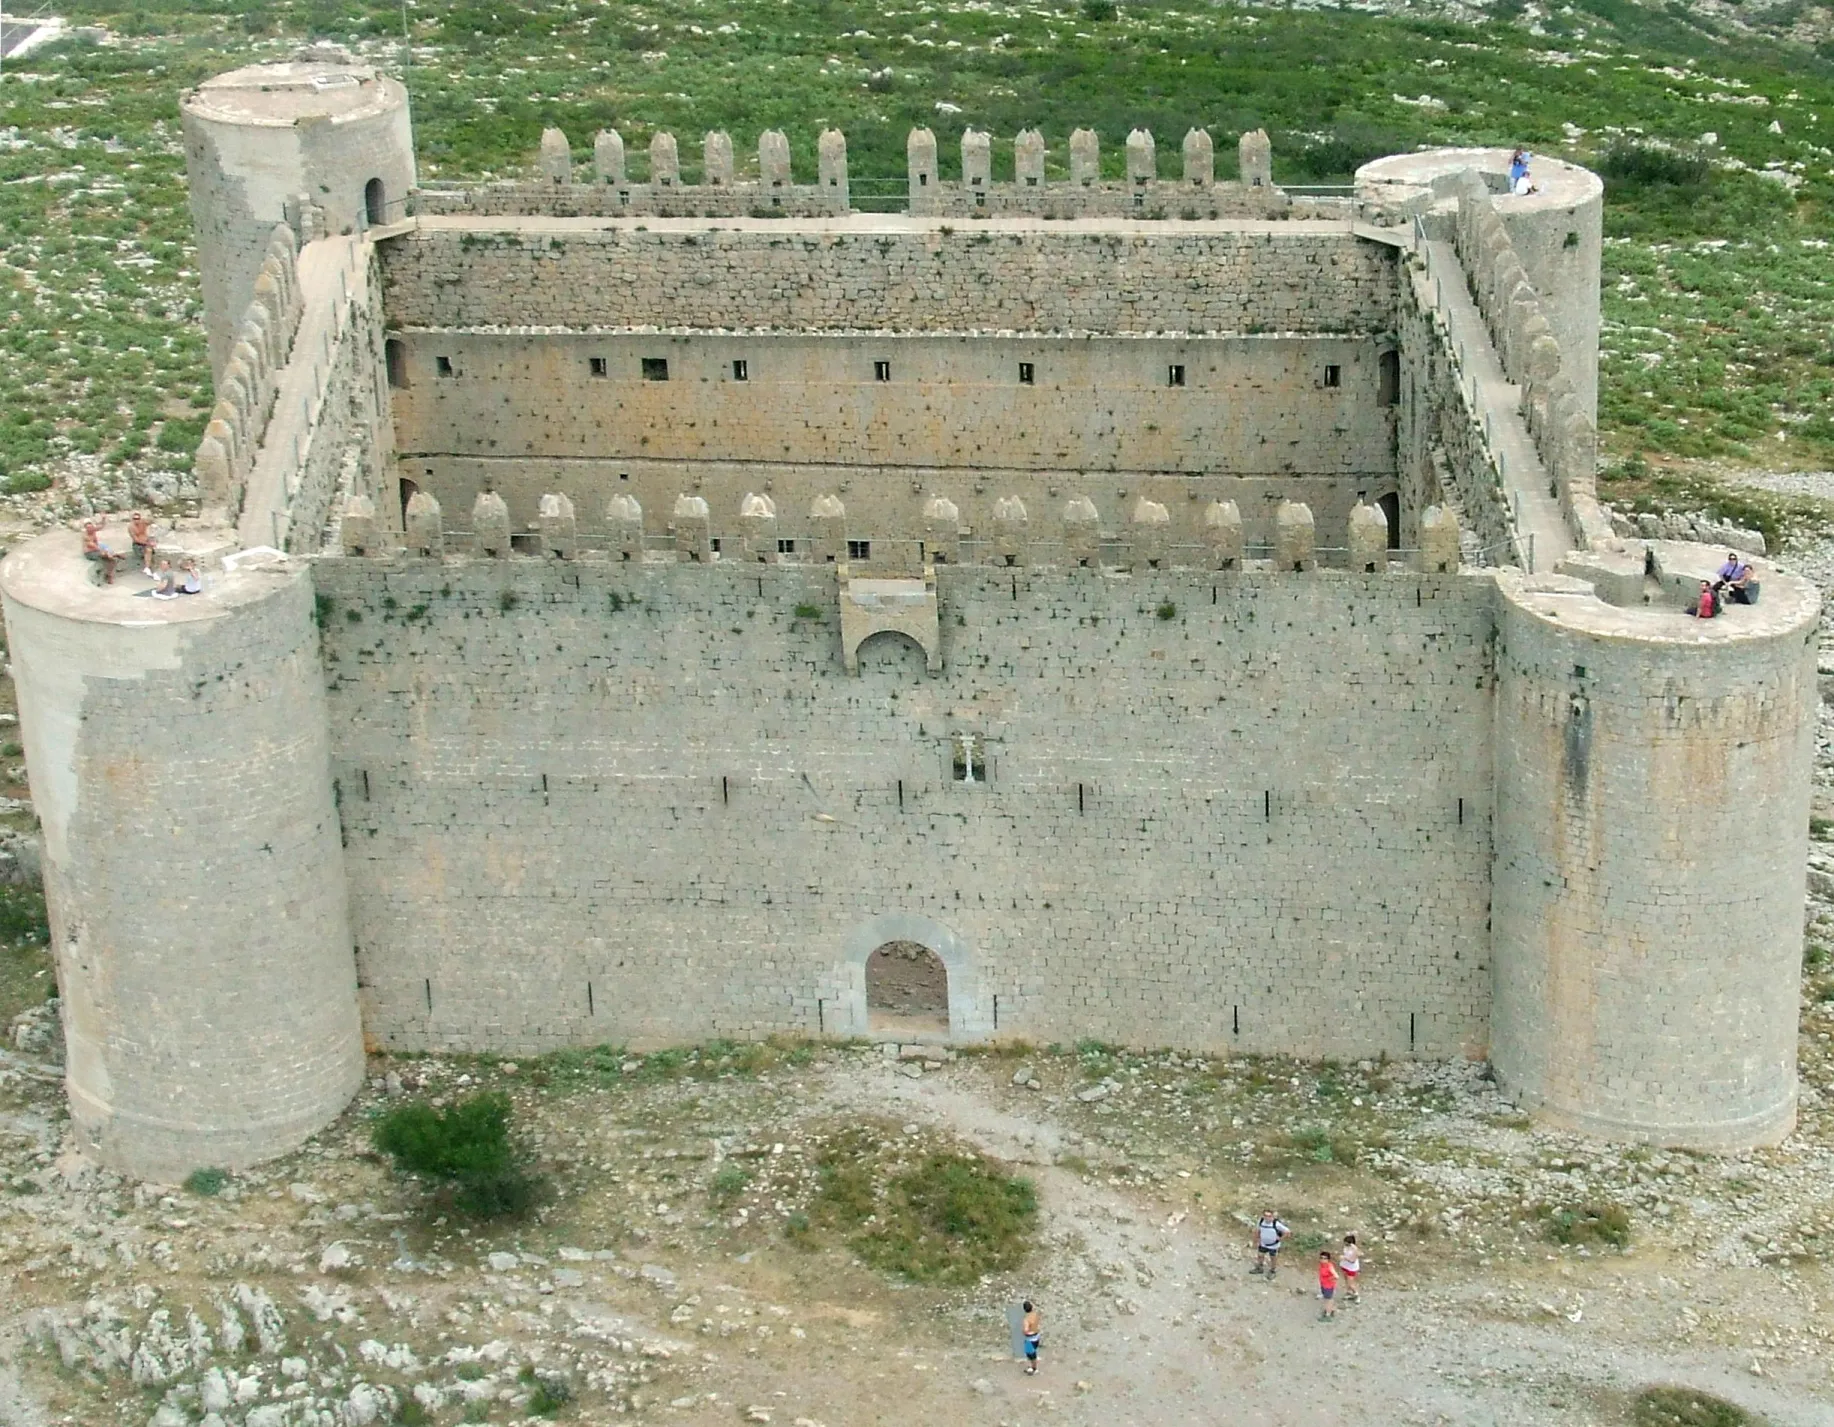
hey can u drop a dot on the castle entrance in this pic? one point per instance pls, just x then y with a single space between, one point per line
905 976
907 990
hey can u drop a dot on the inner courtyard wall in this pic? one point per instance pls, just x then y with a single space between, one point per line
655 808
886 421
890 272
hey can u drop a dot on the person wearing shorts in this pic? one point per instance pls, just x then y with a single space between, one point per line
1327 1286
1032 1340
1267 1236
1350 1264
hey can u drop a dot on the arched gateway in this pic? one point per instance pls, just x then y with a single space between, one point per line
911 977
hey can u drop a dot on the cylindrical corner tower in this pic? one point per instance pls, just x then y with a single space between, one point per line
180 766
1652 787
1558 232
257 140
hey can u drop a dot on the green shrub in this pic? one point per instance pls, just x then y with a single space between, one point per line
1687 1407
22 916
1167 610
1586 1224
727 1184
11 750
550 1395
808 611
207 1182
27 483
466 1148
1097 12
1632 165
507 601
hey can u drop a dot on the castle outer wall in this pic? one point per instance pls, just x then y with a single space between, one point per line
659 781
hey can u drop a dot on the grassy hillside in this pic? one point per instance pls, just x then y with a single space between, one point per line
1719 291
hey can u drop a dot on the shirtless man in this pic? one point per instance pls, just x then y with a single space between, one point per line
94 549
140 531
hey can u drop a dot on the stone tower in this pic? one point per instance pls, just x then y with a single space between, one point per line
194 873
319 142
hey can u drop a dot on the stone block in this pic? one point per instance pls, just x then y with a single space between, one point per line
1199 159
357 530
608 156
490 525
1082 531
1438 553
1222 530
559 529
426 533
758 521
1367 540
692 525
1293 537
555 159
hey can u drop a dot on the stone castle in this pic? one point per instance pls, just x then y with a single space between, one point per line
1174 609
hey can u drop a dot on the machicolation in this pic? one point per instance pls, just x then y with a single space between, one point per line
1173 605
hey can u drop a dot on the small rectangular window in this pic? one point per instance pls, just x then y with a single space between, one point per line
980 199
859 549
655 369
786 547
881 371
1174 374
968 760
740 371
1334 375
714 545
599 366
443 365
1026 373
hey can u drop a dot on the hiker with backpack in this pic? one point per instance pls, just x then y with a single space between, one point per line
1268 1235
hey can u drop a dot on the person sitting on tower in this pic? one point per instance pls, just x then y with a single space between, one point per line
1735 584
94 550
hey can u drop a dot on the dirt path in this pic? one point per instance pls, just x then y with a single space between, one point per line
1154 1320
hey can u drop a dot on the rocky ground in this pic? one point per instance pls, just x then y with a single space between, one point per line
673 1277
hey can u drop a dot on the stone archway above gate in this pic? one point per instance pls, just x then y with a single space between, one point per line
904 606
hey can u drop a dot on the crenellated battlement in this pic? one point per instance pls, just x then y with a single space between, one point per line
249 383
607 188
1071 536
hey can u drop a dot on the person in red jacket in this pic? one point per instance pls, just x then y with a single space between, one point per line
1327 1286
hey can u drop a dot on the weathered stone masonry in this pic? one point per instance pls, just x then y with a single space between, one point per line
1081 596
684 775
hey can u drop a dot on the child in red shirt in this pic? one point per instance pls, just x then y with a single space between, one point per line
1327 1286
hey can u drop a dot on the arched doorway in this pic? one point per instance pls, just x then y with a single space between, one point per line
409 490
966 1013
375 203
1390 506
907 990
